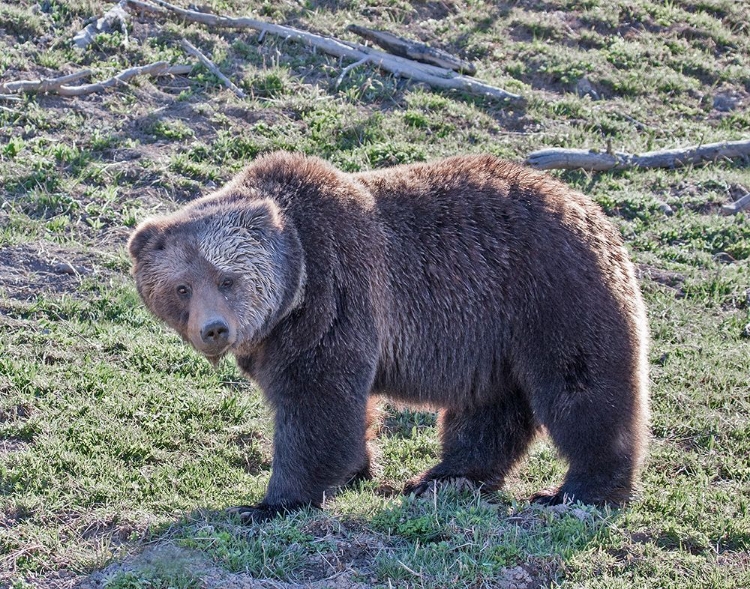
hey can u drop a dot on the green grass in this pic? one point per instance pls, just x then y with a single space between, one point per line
120 447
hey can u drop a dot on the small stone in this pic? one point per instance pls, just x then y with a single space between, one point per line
515 578
585 88
65 268
665 208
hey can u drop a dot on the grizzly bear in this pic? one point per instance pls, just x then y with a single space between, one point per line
491 292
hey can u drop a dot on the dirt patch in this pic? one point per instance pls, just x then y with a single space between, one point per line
672 280
346 567
12 445
16 412
56 580
28 270
169 559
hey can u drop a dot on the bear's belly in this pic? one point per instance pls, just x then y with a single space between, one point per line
444 378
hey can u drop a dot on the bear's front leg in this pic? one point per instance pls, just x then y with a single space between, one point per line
319 442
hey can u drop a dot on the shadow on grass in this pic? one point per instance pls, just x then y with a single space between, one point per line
454 537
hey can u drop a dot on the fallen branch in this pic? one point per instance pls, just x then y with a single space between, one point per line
570 159
114 19
349 68
429 74
195 52
737 206
59 85
416 51
45 84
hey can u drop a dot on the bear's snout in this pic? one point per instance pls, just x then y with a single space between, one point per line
215 333
211 333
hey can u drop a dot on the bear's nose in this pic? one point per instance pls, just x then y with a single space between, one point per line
215 332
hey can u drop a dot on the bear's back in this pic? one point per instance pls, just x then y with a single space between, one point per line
490 264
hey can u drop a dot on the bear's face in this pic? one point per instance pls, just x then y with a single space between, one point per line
213 274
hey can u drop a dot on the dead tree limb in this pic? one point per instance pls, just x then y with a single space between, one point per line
569 159
737 206
195 52
114 19
349 68
405 68
413 50
59 85
45 84
160 68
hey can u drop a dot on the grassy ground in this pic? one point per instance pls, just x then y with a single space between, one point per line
119 446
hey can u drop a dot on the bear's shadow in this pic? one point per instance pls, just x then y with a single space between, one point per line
312 545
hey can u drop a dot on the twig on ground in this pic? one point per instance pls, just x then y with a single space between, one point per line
638 124
569 159
410 570
413 50
58 85
436 77
349 68
737 206
195 52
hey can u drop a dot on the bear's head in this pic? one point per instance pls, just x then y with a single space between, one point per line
221 273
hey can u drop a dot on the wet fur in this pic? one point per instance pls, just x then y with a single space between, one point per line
490 291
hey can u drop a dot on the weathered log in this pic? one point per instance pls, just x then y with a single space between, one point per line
413 50
569 159
573 159
434 76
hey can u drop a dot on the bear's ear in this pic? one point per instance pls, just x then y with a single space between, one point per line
262 217
145 232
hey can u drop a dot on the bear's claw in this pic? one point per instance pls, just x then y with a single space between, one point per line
417 488
255 514
550 497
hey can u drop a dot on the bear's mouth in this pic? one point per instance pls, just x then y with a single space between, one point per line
213 354
215 359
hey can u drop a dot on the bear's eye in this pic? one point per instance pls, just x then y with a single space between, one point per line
226 283
183 290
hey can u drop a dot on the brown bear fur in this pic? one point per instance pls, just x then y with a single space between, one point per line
489 291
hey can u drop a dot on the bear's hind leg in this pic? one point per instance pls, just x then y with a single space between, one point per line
480 443
603 442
